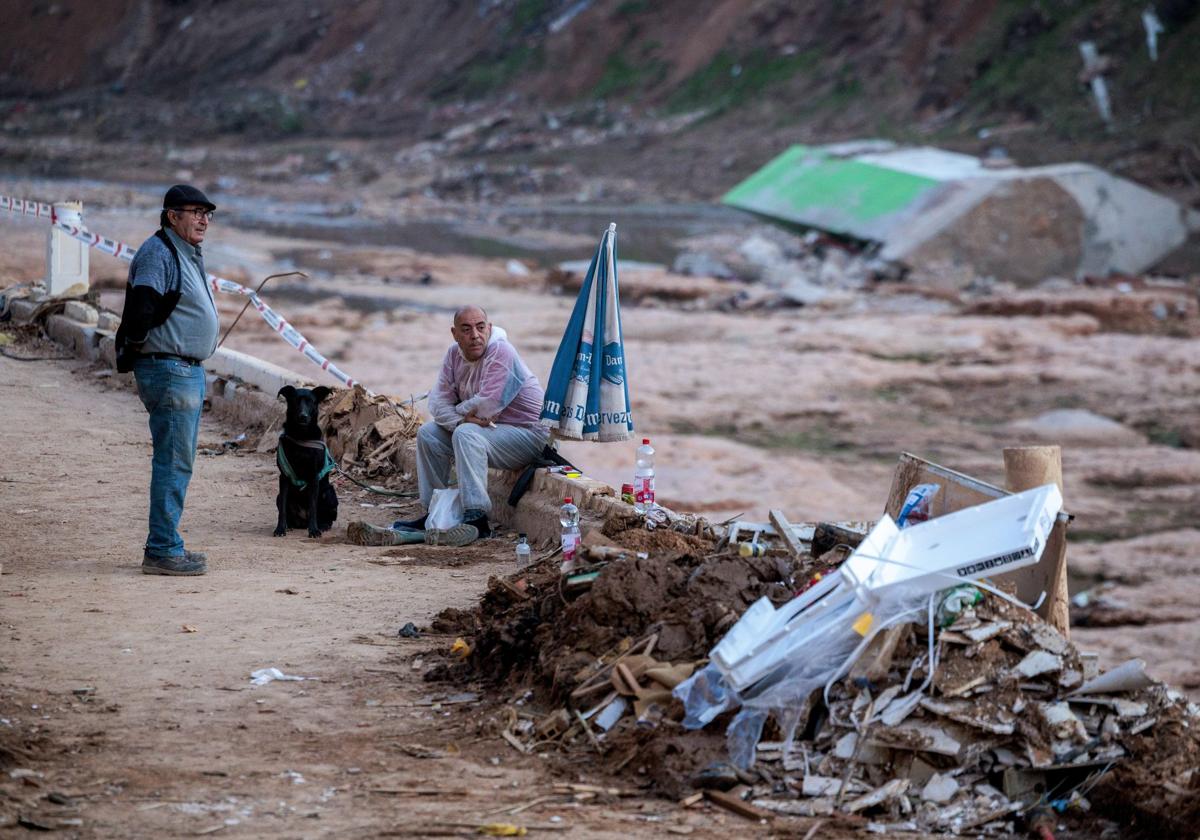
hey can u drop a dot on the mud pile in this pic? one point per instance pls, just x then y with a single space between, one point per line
533 629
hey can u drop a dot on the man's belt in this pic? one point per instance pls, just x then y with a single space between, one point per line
172 357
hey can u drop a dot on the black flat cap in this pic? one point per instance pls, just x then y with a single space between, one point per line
182 194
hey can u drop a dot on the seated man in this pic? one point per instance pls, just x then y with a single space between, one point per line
486 407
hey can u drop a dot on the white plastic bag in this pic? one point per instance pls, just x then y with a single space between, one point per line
445 510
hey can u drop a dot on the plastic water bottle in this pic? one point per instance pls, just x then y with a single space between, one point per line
568 516
643 478
522 551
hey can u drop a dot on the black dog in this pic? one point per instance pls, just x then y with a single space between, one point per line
306 498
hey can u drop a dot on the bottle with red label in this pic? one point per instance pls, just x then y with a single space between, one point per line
643 478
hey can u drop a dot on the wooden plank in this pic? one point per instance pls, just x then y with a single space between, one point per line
784 529
739 806
1026 467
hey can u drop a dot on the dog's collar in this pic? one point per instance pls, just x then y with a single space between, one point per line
286 468
310 444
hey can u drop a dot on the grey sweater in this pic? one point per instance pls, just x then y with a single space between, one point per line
192 328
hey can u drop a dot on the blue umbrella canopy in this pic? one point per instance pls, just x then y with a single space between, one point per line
587 395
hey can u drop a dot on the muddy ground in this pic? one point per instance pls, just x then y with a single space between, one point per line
801 409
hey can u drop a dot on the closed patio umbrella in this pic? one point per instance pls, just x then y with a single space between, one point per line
587 395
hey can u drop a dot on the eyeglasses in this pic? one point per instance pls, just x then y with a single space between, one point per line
196 212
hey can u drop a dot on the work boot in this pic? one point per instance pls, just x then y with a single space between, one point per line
188 563
360 533
458 536
475 527
417 524
478 519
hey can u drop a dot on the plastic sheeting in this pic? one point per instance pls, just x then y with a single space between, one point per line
772 660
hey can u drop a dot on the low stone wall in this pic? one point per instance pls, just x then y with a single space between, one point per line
242 390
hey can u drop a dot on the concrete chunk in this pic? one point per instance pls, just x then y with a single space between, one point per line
878 796
82 312
1038 662
918 737
939 789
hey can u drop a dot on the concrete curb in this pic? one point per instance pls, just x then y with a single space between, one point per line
242 389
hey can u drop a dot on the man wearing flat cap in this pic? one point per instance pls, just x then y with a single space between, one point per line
168 327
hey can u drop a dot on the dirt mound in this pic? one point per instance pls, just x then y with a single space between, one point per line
1157 791
530 629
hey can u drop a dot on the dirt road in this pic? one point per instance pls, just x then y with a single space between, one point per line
116 720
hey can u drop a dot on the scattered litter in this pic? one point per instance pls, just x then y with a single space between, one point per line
612 713
265 675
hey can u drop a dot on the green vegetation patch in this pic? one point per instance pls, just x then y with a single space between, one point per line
488 75
729 80
626 76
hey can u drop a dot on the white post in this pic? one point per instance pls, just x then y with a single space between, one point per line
66 257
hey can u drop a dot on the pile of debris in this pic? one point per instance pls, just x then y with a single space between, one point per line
367 431
746 670
1014 720
785 269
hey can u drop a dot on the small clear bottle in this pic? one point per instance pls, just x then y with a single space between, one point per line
568 517
523 553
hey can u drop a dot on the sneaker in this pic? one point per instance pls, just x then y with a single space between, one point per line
360 533
417 524
188 563
458 536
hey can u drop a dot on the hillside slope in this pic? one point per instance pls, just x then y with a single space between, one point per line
762 72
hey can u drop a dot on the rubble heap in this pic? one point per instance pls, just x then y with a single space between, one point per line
1014 719
1004 724
367 431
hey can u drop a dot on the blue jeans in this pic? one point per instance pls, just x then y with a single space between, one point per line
173 393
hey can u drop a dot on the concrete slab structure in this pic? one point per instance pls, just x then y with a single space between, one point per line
926 205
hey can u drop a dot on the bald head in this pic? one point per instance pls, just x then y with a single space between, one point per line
470 312
471 331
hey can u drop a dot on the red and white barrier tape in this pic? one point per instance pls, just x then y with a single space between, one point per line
29 208
219 284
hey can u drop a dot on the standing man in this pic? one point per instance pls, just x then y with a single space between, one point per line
486 409
168 327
